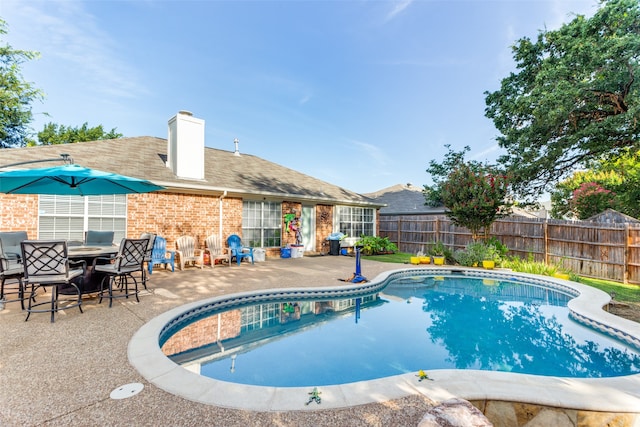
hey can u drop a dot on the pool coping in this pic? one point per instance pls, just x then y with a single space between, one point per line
617 394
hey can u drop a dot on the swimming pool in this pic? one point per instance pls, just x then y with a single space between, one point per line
418 322
621 392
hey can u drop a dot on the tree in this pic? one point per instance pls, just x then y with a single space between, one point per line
59 134
474 193
16 95
439 172
575 98
620 176
591 199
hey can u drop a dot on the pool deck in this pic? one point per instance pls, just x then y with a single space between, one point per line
63 373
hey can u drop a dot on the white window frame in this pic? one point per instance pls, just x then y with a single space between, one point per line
259 316
353 220
251 223
69 217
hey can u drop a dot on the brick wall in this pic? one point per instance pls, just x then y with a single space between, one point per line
324 227
288 236
204 332
171 216
18 213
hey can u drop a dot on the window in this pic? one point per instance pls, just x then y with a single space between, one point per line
68 217
355 222
259 316
261 224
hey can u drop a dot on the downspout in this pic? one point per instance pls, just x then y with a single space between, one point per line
224 194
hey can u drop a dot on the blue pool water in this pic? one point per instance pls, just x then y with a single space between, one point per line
413 323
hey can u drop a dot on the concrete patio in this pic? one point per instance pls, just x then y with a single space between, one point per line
63 373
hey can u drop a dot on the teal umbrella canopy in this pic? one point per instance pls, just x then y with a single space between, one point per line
71 180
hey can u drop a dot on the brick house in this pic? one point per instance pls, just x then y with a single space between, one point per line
207 191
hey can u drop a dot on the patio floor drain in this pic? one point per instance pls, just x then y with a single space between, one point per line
127 390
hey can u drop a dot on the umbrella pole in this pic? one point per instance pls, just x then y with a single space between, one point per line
357 276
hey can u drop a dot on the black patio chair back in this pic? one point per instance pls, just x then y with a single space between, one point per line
120 273
98 238
131 255
46 264
147 255
10 269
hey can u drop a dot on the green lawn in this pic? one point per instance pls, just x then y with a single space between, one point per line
624 293
398 257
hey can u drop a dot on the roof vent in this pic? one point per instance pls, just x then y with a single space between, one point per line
237 152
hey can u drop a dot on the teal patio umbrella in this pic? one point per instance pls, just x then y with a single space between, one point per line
71 180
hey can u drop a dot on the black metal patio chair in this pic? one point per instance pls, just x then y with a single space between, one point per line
46 265
120 272
11 269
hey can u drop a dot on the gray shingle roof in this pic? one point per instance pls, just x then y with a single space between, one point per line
145 157
612 216
403 199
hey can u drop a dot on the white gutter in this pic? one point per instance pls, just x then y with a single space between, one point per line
240 192
220 211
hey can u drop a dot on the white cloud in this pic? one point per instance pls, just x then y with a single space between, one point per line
65 32
487 153
305 99
398 7
370 151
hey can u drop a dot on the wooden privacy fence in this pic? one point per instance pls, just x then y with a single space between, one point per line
599 250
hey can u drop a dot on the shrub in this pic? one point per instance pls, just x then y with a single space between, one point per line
372 245
439 249
534 267
501 250
463 258
476 252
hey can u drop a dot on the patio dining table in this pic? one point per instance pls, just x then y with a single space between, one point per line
92 279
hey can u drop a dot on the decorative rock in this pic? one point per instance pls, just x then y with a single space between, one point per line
454 413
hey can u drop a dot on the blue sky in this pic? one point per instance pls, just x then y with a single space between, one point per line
362 94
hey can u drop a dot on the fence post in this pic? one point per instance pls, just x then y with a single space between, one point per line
399 225
627 238
437 229
546 241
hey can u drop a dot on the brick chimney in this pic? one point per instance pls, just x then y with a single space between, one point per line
185 146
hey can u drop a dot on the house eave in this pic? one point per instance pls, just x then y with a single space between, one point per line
195 188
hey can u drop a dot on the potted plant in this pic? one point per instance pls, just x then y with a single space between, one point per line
438 252
477 254
374 245
489 257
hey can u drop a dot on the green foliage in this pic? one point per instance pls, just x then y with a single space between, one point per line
398 257
464 258
528 266
623 292
476 252
620 176
372 245
591 199
534 267
574 98
439 249
16 95
439 173
59 134
500 248
475 194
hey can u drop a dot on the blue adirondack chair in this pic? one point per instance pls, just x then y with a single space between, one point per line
160 255
237 250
